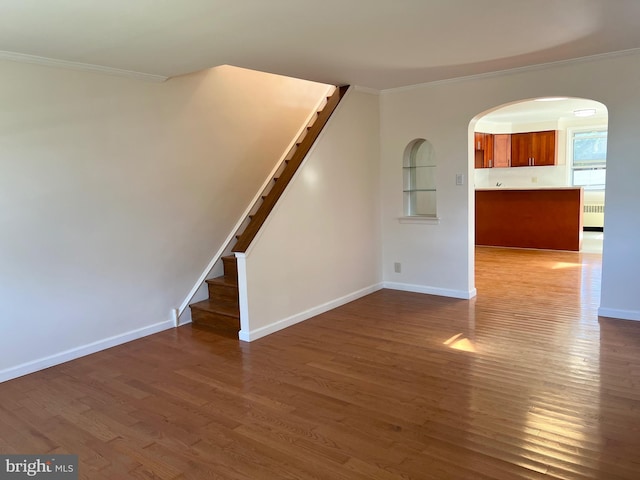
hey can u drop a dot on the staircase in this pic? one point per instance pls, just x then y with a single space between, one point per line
221 310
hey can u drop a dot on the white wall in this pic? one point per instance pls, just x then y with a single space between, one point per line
115 194
320 246
434 258
441 256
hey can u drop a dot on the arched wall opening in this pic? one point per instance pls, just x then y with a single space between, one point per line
578 131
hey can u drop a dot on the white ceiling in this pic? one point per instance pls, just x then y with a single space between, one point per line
536 111
372 43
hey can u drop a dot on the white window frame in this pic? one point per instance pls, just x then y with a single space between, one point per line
570 171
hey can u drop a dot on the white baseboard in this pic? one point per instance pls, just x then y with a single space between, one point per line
621 314
442 292
72 354
249 336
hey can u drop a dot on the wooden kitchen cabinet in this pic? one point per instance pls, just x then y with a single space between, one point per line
520 150
534 149
546 218
544 151
501 150
483 147
480 140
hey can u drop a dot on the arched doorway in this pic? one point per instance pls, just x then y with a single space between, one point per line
578 132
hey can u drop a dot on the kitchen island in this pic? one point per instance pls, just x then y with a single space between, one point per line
544 218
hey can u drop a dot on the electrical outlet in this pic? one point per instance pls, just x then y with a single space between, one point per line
397 267
534 179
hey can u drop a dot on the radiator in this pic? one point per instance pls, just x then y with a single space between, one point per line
593 215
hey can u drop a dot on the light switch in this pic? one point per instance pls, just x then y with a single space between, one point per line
459 178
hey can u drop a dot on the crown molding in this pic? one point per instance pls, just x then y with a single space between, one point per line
512 71
87 67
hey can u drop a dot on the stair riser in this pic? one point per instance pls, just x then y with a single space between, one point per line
230 268
220 323
223 293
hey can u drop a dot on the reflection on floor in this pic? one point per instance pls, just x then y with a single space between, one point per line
592 242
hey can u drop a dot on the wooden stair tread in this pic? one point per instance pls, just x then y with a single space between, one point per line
227 309
224 281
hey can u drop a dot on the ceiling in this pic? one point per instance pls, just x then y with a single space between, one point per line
379 44
531 111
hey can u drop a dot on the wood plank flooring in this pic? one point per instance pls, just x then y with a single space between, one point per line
522 382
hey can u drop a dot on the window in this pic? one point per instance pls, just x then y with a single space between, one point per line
419 169
589 159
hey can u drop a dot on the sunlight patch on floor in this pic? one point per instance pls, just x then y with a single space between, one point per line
560 265
458 342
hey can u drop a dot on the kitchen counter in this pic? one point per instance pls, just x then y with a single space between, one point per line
543 218
526 188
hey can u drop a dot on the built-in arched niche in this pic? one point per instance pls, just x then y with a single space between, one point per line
419 173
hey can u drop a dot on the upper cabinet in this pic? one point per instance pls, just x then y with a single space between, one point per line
502 150
483 150
531 149
534 149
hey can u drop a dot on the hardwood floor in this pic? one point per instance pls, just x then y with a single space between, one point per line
522 382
